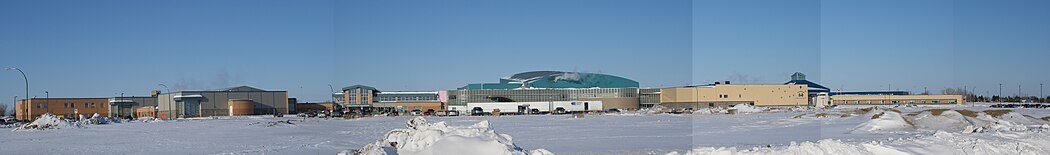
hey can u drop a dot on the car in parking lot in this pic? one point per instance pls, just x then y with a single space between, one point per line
1026 105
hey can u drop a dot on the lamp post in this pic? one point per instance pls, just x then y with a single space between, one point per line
27 87
330 91
47 99
1000 92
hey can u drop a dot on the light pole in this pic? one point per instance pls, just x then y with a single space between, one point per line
15 101
27 88
1000 92
330 91
1041 92
47 100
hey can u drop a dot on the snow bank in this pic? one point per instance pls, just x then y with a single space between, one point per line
826 146
746 108
949 120
953 120
48 121
95 119
1025 143
885 122
423 138
656 109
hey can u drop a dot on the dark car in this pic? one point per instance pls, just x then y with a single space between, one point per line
309 114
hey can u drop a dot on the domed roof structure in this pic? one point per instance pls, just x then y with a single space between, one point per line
557 79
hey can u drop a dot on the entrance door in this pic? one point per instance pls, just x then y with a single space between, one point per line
191 108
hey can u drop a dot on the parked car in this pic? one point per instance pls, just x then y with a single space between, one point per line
417 112
337 113
614 110
308 114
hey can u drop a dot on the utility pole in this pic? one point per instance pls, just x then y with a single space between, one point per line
1041 92
1000 92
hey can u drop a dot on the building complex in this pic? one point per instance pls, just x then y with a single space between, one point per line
525 91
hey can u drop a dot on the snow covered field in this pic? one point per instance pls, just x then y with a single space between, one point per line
800 132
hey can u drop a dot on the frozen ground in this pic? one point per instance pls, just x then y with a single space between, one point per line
560 134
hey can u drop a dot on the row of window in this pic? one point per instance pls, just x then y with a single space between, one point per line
409 98
66 105
897 102
74 105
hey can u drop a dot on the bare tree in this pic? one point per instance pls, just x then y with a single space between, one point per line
3 109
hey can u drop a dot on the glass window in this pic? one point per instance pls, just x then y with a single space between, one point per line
72 105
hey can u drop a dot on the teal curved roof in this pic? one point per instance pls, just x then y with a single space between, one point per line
557 79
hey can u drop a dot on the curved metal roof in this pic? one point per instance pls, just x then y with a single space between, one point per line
559 79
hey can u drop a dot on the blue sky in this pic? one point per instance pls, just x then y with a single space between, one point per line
103 48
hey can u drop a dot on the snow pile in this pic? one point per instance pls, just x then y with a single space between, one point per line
826 146
709 111
656 109
1026 143
885 122
148 119
423 138
988 121
48 121
747 108
96 120
949 120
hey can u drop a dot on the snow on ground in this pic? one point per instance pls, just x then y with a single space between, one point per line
793 131
47 122
747 108
424 138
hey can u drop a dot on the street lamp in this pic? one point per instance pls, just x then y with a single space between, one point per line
27 86
1000 92
47 100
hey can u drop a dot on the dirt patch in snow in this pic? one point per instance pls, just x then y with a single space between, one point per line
1047 118
967 113
997 113
275 123
863 111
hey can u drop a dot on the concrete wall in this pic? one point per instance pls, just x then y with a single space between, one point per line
722 94
626 103
896 99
